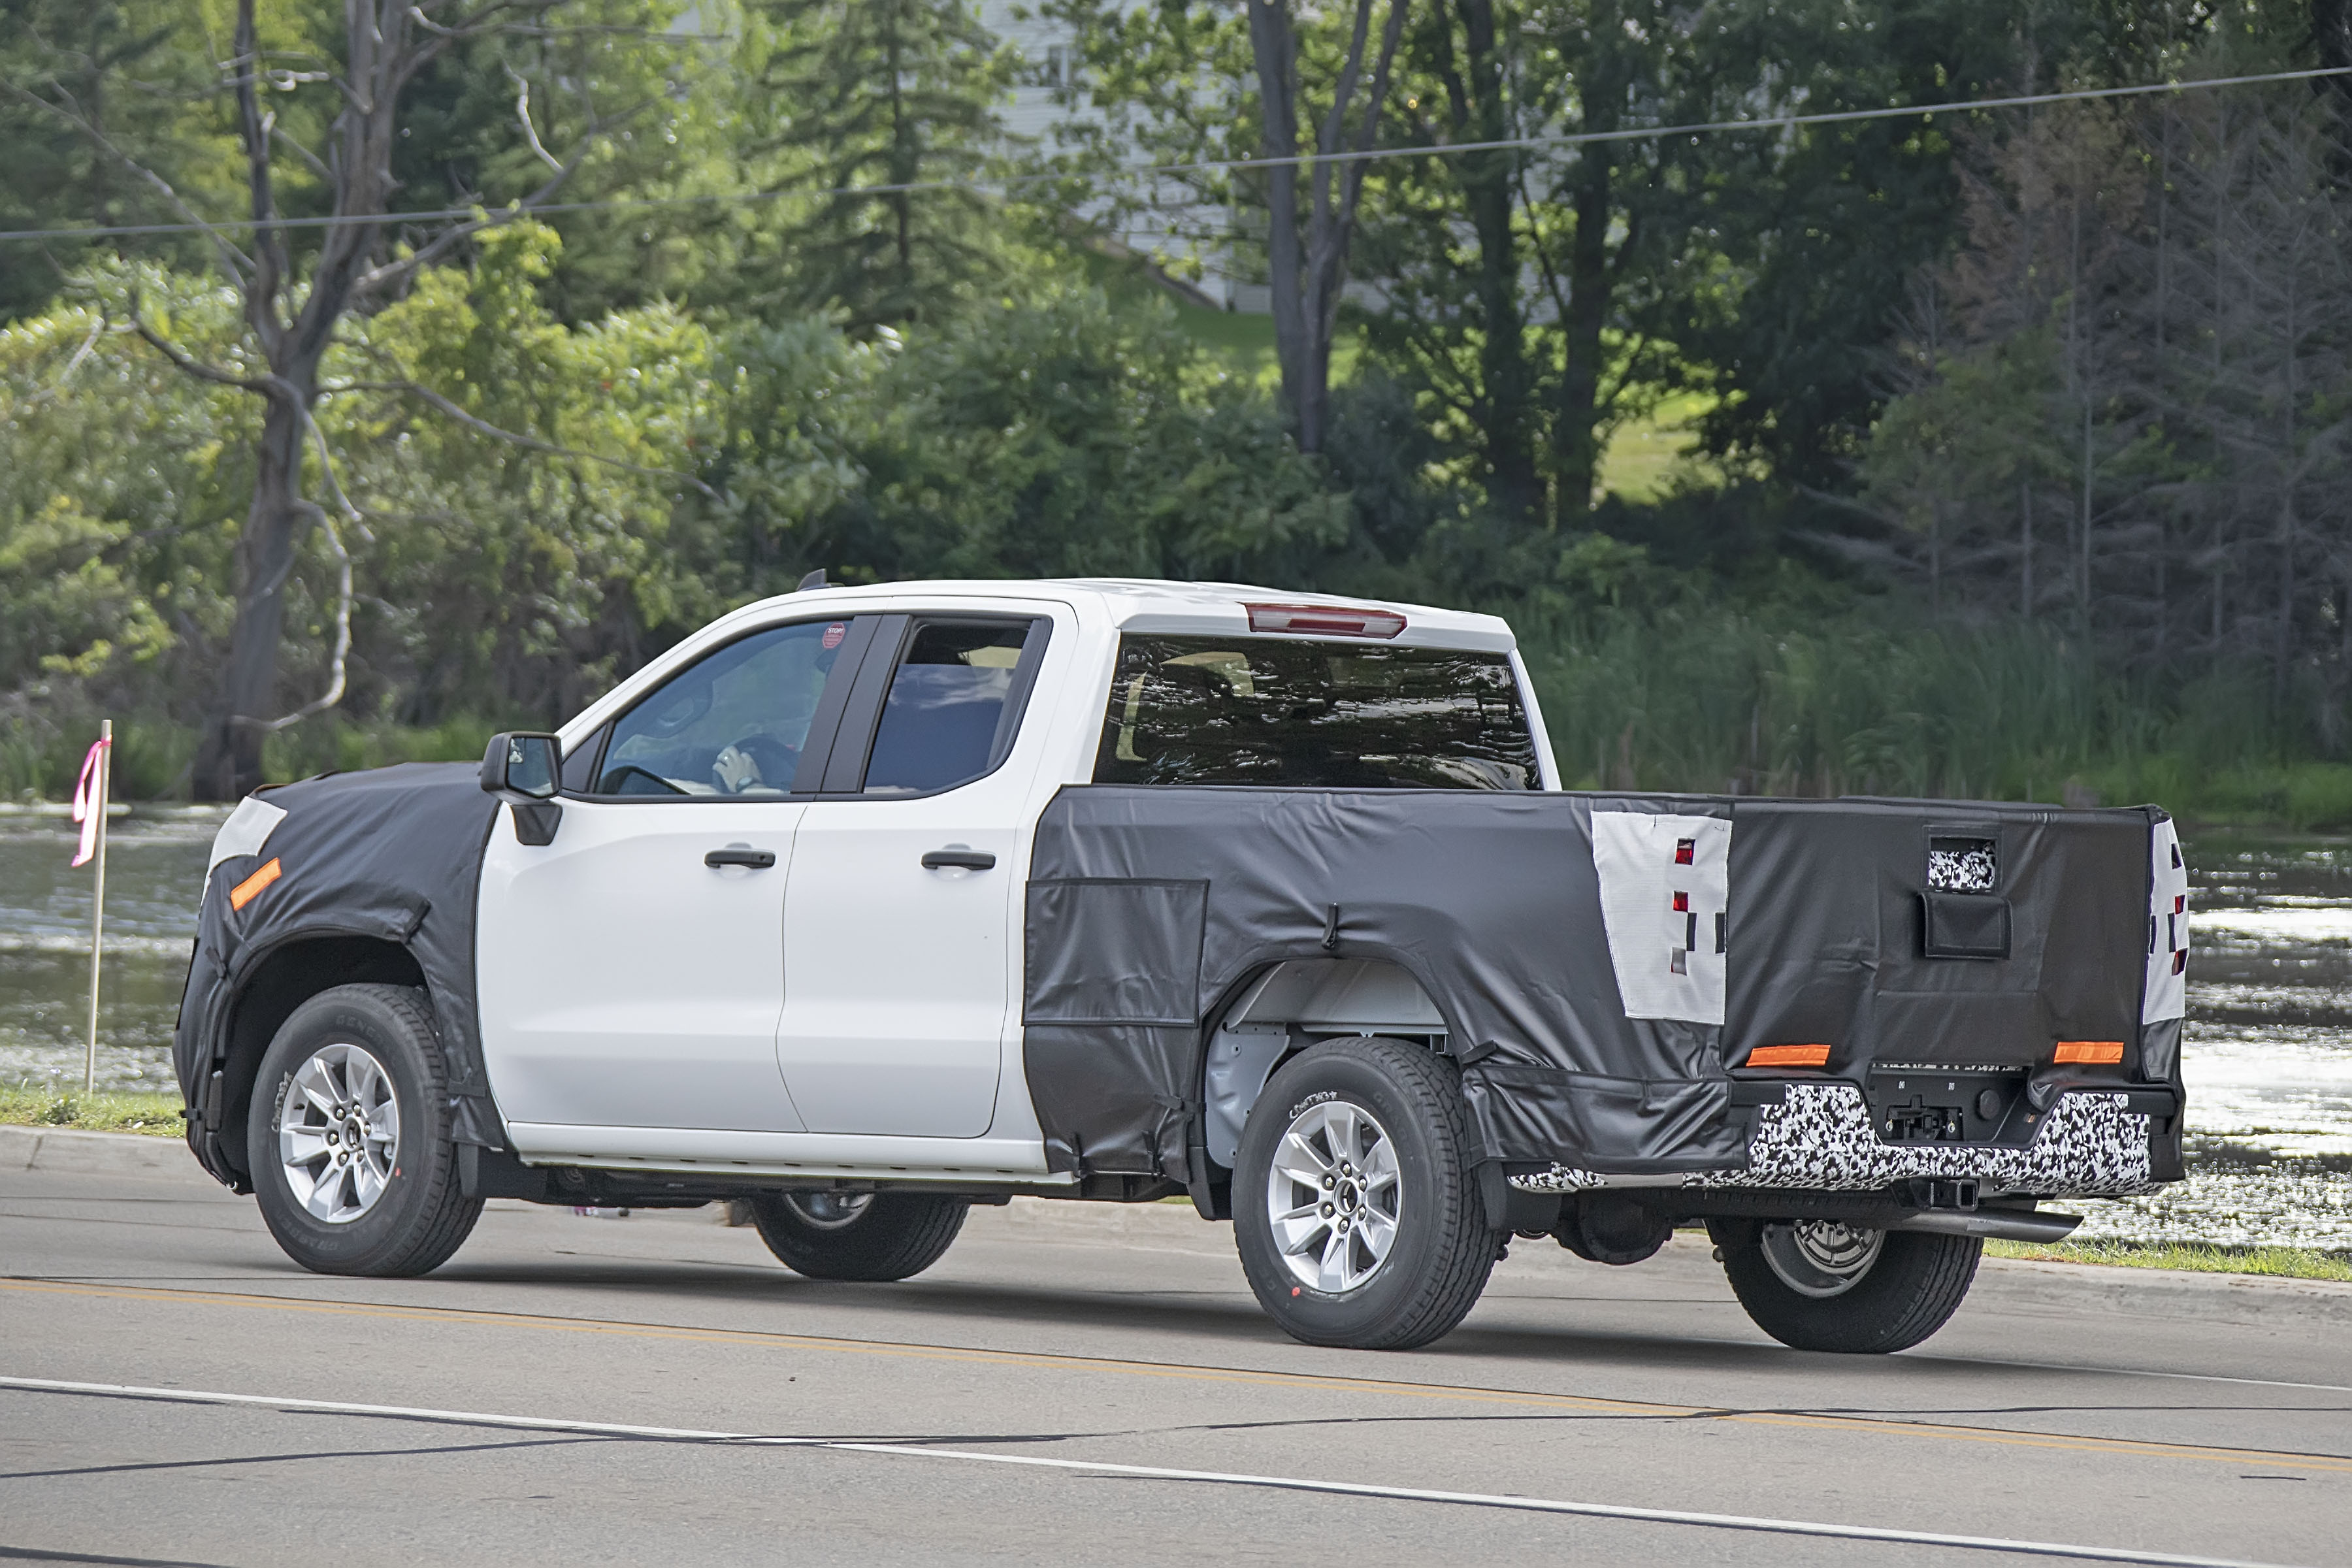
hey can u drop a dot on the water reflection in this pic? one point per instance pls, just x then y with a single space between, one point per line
2268 1057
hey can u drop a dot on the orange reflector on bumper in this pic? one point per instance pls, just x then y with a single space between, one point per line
1789 1057
245 892
2107 1051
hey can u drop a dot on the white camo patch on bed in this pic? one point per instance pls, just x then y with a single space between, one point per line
1819 1138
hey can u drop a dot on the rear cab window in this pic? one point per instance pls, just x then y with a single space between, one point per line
1307 714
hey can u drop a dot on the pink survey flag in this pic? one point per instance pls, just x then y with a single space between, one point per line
86 807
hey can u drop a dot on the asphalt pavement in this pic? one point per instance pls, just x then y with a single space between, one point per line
1078 1382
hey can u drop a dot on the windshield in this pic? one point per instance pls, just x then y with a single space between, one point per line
1258 711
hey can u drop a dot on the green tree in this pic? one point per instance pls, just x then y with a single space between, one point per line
133 71
315 103
871 118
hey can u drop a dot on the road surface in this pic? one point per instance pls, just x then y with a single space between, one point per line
1083 1383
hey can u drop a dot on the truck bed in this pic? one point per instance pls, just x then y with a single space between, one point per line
1643 990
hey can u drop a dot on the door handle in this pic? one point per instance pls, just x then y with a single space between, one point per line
961 859
741 855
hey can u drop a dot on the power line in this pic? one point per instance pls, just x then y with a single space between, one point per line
1227 165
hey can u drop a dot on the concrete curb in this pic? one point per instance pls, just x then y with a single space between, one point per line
2159 1292
59 1149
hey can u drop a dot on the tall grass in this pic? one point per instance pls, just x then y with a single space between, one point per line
41 755
1715 699
1696 695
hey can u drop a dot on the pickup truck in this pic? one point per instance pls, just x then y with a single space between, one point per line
866 904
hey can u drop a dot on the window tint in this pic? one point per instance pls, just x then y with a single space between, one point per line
1249 711
730 725
947 720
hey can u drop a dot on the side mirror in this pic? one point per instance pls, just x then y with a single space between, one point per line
520 763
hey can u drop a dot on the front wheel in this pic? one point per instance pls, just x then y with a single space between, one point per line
858 1235
348 1137
1355 1206
1817 1285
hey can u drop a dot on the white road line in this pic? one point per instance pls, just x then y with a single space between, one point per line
1158 1472
1914 1357
2140 1372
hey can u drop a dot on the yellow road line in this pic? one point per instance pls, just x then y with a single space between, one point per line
1046 1361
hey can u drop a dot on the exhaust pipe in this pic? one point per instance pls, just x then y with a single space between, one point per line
2001 1225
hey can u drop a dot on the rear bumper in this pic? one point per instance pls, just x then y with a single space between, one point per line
1819 1138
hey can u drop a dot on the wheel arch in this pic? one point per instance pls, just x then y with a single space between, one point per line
1283 1007
265 995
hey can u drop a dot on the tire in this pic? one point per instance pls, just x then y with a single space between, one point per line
1890 1300
859 1236
1409 1176
389 1206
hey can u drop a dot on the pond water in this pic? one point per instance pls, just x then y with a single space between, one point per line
2268 1051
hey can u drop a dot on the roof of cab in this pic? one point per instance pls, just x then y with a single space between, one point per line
1214 609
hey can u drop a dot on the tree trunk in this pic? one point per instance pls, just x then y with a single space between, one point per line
1273 48
2331 40
1507 384
1575 441
228 760
1309 270
2025 550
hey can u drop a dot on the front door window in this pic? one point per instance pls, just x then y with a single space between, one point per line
730 725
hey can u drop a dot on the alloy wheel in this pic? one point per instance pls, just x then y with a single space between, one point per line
339 1132
1333 1196
1820 1258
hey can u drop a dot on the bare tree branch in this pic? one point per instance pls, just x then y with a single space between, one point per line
234 261
448 239
310 159
533 443
522 113
73 364
264 386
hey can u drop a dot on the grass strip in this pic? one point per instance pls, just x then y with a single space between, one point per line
2198 1258
156 1115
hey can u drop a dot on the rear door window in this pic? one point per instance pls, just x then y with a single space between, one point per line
954 702
1259 711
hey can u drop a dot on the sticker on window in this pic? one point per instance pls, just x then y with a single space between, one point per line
834 633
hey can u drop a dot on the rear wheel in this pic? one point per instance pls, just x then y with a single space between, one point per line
858 1235
1817 1285
348 1137
1355 1207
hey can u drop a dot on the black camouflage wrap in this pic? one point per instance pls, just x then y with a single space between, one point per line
393 855
1149 909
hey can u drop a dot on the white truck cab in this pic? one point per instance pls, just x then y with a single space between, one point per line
781 930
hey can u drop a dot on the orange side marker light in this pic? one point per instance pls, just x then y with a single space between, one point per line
2108 1052
1789 1057
245 892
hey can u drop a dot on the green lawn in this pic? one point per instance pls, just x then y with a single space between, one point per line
1646 459
2280 1262
1650 457
156 1115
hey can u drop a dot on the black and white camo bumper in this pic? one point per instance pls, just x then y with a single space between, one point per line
1819 1138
